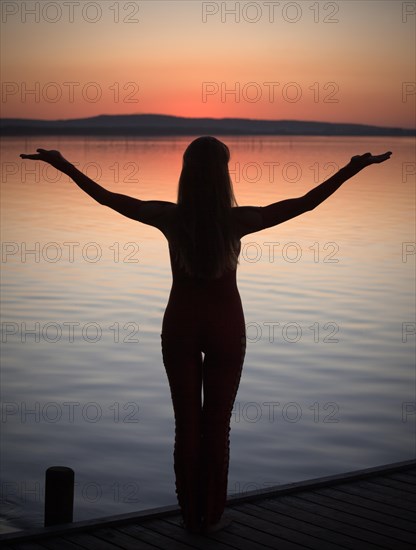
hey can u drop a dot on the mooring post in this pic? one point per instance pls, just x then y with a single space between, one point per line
59 495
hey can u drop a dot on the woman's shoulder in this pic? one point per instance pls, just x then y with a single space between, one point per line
156 208
157 213
247 219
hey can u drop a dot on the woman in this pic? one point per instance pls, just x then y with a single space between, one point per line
204 313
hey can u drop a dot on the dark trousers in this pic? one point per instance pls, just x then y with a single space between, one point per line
202 422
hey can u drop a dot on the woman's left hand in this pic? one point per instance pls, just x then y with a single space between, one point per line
362 161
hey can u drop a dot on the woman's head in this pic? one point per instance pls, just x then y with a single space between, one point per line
205 150
205 200
205 180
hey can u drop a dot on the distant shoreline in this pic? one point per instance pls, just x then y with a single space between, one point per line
165 125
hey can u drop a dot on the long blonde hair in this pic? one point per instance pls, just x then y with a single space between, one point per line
206 246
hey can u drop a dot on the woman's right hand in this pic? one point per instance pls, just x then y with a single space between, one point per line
54 158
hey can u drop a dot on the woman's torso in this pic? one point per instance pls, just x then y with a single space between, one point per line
197 303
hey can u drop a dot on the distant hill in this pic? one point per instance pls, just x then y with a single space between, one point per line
165 125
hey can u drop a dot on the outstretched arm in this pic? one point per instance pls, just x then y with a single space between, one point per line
285 210
325 189
144 211
256 218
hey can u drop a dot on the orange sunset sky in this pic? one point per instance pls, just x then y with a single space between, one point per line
346 61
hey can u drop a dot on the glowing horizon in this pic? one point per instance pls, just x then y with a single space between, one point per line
340 62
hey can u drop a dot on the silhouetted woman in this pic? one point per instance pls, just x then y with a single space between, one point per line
204 313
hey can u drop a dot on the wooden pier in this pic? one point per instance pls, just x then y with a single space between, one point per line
369 509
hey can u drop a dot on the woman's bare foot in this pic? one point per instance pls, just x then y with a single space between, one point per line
191 528
221 524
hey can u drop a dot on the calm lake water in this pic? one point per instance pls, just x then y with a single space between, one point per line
328 384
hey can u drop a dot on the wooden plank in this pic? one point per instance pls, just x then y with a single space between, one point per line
156 539
402 499
377 492
231 541
406 465
365 498
243 529
377 496
411 480
409 491
89 524
179 534
377 532
292 528
85 540
315 525
28 546
258 531
356 509
58 543
120 539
